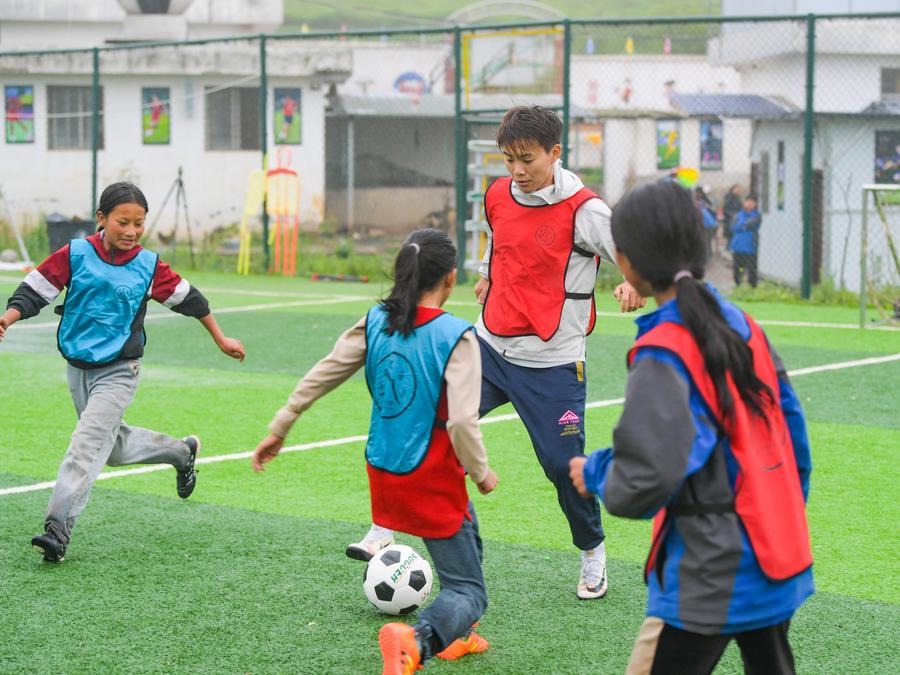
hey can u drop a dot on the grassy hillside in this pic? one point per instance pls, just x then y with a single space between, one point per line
331 14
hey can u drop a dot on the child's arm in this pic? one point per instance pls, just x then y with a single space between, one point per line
230 346
176 293
40 287
463 378
347 356
483 283
796 423
652 443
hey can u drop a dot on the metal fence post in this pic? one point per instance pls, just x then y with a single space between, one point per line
863 257
808 123
461 157
95 129
264 142
567 58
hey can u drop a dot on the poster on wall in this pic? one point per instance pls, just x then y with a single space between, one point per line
887 157
668 144
19 113
710 144
155 115
286 122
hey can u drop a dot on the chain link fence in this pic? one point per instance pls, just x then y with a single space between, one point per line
362 137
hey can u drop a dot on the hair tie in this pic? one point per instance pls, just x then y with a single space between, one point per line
415 246
682 274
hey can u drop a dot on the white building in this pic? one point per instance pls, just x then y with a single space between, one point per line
856 94
209 95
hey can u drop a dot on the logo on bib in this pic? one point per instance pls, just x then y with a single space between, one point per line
545 235
395 385
123 293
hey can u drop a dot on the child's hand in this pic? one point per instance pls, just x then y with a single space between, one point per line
489 483
266 451
232 347
481 289
576 473
7 319
628 298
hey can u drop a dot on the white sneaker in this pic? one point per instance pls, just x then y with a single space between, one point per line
593 582
375 540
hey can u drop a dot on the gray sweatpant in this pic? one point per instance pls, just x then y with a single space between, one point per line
101 396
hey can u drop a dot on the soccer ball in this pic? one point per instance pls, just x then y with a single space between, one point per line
397 580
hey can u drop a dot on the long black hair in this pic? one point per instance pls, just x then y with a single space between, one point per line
121 193
424 259
659 229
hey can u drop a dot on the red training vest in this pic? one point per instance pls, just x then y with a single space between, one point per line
768 497
431 500
530 251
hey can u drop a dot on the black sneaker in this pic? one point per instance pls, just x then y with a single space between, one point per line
186 479
52 548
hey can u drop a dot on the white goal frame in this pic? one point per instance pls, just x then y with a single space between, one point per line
874 189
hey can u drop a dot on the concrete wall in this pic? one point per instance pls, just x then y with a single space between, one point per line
377 65
844 152
599 81
846 148
391 209
843 84
629 155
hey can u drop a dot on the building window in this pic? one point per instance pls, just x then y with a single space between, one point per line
70 118
763 195
232 118
890 83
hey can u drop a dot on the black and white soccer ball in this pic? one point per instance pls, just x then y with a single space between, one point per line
397 580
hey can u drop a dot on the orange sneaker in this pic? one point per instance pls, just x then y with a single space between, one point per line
471 644
398 649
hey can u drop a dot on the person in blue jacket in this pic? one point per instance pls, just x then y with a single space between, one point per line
712 445
744 243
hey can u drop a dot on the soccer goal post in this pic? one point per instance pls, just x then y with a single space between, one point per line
879 263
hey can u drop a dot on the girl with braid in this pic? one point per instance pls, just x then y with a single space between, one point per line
712 445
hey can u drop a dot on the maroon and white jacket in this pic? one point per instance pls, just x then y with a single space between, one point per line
43 284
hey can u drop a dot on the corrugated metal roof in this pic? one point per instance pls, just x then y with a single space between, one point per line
733 105
882 108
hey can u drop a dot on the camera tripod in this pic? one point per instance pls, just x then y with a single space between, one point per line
180 205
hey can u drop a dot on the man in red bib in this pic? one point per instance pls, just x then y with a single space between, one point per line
548 235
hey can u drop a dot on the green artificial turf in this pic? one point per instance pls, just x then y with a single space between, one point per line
248 576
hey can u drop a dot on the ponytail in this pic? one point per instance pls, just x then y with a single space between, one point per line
724 351
425 258
658 228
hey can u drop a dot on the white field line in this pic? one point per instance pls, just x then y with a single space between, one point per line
158 316
360 439
313 299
